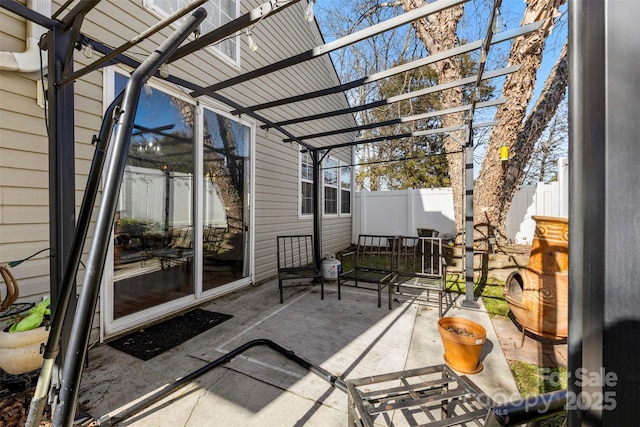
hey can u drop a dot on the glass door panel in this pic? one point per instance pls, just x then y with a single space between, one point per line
225 218
153 226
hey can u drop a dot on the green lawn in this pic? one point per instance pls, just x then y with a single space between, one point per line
491 292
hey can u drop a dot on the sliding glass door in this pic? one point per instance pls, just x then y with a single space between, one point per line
176 239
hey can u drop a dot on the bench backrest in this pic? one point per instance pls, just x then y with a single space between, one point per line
420 256
375 253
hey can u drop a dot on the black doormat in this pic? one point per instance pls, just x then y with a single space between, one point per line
154 340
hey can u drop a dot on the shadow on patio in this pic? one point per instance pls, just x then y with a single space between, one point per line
350 338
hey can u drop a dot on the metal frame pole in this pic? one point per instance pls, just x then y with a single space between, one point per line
469 300
604 198
79 339
62 198
68 281
317 206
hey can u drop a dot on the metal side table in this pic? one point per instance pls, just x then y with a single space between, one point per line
433 396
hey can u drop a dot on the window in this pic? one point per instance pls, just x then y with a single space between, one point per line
336 186
330 190
306 184
219 12
345 190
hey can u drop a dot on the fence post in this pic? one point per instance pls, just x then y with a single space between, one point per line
410 212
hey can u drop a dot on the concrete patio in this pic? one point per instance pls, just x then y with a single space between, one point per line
350 338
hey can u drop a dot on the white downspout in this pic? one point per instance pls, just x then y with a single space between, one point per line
29 60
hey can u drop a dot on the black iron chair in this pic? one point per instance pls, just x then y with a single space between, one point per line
420 265
372 262
296 262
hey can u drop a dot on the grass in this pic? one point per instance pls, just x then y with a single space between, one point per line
533 380
491 292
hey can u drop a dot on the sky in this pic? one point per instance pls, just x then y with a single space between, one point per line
473 28
511 13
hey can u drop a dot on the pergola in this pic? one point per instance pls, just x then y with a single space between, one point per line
65 33
68 237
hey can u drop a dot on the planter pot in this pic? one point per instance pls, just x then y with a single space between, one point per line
20 351
463 340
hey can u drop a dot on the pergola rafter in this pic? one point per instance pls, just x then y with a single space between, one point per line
431 59
420 133
327 48
407 119
604 103
397 98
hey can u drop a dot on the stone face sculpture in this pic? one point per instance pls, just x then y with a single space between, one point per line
538 295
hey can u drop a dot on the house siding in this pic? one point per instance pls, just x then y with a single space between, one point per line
24 216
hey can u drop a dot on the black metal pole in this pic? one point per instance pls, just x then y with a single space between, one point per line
317 207
604 201
527 411
67 288
586 79
62 198
332 379
72 369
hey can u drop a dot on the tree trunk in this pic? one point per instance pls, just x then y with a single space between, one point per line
439 33
497 181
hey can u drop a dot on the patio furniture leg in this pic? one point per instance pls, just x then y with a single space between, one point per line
350 420
521 340
280 286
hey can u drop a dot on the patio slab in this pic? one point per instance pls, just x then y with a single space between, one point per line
535 349
350 338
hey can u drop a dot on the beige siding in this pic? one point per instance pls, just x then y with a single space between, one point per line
13 32
24 213
23 143
24 179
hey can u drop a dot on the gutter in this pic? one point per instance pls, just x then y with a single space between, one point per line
29 60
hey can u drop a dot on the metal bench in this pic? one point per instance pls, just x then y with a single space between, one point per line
420 265
296 261
372 262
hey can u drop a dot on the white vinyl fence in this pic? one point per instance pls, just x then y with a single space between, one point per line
143 196
402 212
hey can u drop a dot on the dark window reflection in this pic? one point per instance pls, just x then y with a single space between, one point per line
153 227
225 193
